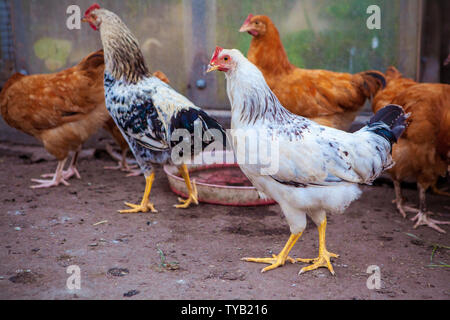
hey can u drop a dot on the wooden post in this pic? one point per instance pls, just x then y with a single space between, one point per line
431 42
409 37
199 44
19 36
7 60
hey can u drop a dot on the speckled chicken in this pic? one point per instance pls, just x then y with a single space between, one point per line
309 169
149 113
115 132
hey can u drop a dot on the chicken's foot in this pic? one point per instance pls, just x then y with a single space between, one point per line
192 189
70 172
422 217
402 208
145 205
122 164
323 260
57 178
280 259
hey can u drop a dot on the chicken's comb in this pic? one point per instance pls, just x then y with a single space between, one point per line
95 6
216 53
249 18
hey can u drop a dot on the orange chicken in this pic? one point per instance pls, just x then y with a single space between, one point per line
62 110
329 98
422 154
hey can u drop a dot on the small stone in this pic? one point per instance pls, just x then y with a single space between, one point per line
118 272
131 293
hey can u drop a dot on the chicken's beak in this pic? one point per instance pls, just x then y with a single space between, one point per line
245 28
85 19
212 67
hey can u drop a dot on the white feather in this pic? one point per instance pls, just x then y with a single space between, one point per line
318 167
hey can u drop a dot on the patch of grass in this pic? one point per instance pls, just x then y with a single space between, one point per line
435 246
164 265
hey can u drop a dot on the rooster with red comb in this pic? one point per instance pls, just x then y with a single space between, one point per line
148 112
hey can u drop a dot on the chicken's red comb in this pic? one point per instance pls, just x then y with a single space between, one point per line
216 53
249 18
95 6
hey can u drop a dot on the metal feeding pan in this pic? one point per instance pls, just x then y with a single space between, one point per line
223 184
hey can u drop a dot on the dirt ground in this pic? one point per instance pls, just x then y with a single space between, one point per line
195 253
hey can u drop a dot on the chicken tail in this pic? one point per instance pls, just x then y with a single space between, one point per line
389 122
93 61
393 73
186 120
372 81
13 79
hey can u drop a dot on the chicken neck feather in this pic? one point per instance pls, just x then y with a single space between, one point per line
123 56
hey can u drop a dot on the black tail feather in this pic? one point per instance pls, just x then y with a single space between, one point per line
186 118
394 117
379 76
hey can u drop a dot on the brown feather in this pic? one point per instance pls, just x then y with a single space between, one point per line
61 109
423 151
330 98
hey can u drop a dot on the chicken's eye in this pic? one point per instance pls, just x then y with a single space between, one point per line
256 22
225 59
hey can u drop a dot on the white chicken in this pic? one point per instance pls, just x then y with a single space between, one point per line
315 169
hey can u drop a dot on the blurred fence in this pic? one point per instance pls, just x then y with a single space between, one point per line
178 36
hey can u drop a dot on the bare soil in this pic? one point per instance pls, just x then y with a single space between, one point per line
195 253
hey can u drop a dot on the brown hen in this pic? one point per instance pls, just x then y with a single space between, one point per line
422 154
329 98
61 109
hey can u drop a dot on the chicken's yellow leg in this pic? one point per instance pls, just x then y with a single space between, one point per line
324 256
145 205
278 260
192 189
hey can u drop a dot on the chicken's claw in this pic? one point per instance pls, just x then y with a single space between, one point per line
137 208
193 198
122 167
275 262
423 219
280 259
134 173
322 261
48 183
60 176
145 205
